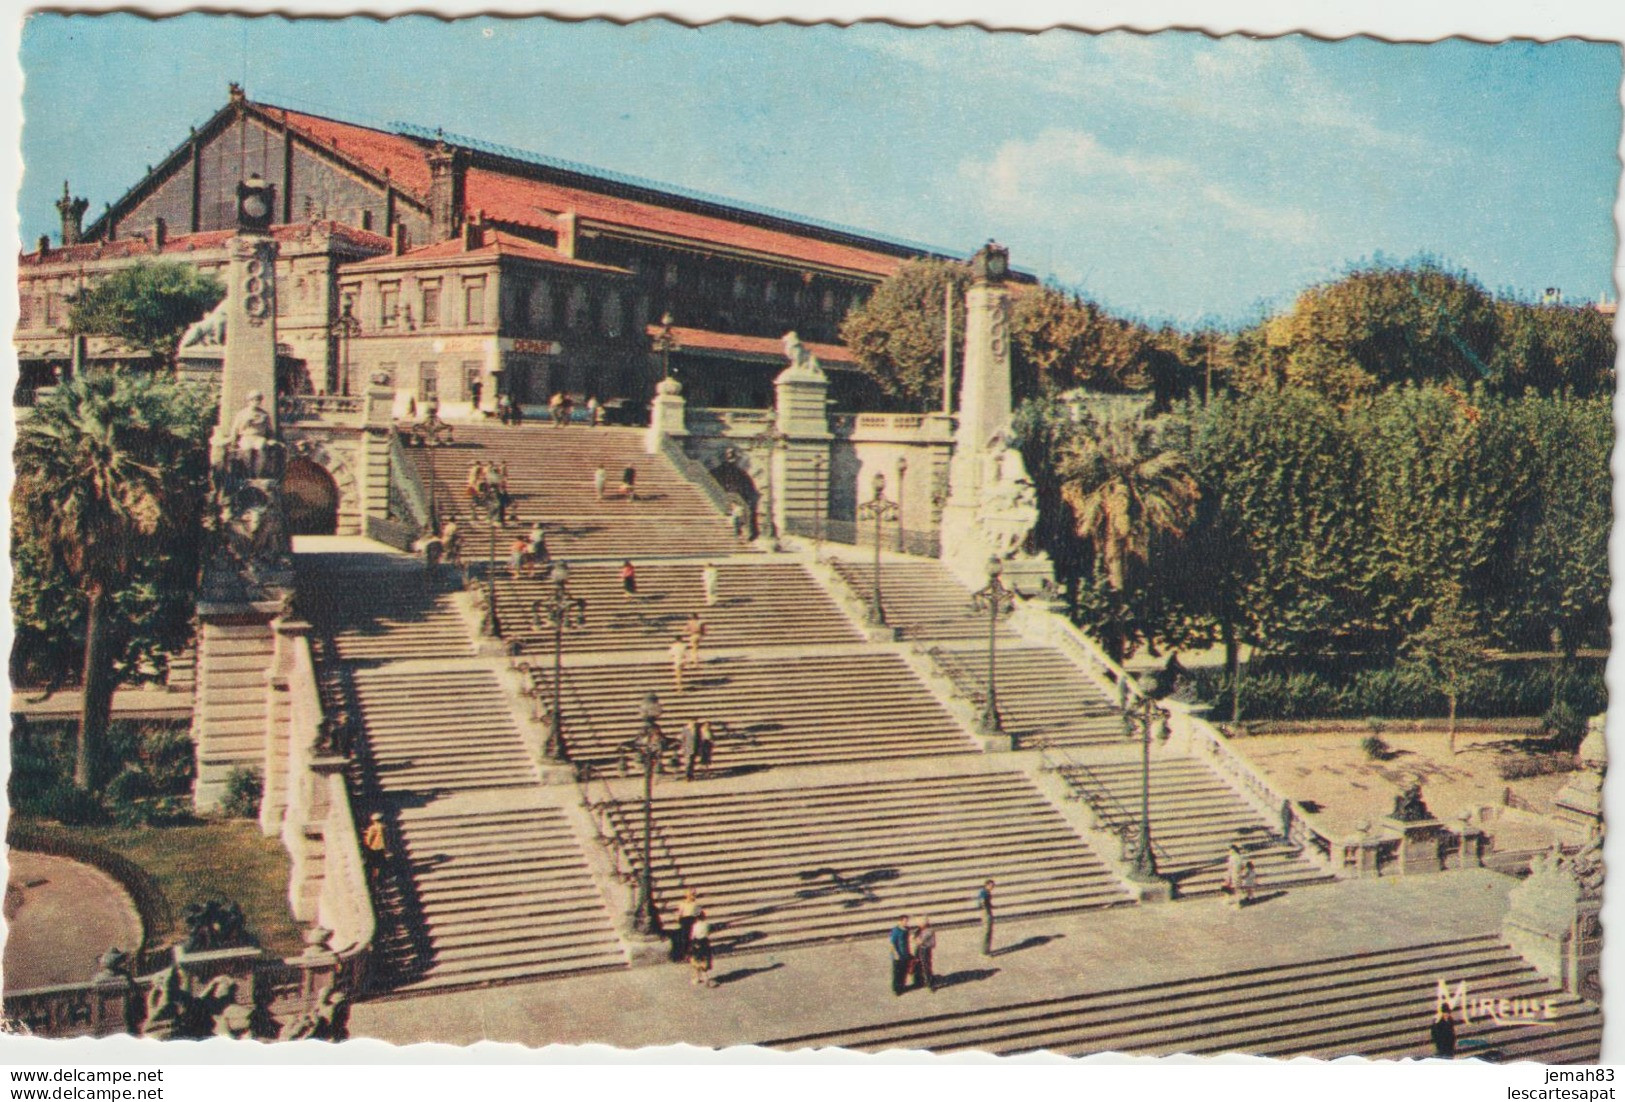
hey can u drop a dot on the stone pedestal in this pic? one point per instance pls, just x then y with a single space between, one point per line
1552 920
1421 844
801 464
668 415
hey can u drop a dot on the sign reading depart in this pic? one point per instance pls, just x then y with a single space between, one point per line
537 348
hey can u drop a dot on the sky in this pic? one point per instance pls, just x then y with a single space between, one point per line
1173 177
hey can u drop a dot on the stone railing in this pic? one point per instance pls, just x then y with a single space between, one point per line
707 421
337 409
693 470
76 1009
912 541
892 426
408 497
319 805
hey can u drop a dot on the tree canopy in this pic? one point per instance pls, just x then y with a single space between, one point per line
106 525
145 307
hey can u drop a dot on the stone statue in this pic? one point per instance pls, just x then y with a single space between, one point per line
250 434
164 1004
1408 806
799 355
253 525
210 332
1007 505
328 1020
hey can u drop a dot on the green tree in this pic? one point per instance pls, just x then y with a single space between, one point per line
145 307
897 335
1448 652
1063 341
1127 494
1551 348
107 507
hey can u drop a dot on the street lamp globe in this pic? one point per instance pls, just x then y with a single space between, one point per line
879 483
650 709
995 566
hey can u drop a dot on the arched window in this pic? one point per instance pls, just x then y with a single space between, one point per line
575 308
541 306
611 314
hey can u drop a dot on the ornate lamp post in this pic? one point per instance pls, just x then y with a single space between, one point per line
771 440
343 329
902 469
1144 722
492 626
881 510
557 611
665 343
646 920
995 599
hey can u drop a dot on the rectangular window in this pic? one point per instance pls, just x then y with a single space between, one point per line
472 371
25 311
389 304
474 302
431 304
50 308
428 380
385 375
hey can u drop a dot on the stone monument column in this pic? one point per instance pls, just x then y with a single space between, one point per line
248 575
800 480
992 505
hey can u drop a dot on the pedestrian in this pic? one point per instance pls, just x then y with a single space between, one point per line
984 904
537 548
474 394
498 478
1443 1034
476 481
736 517
1248 883
1232 874
899 956
555 408
707 744
599 478
688 909
691 748
1286 821
566 408
451 542
708 582
699 950
629 483
629 579
679 659
518 556
594 410
375 843
925 948
694 632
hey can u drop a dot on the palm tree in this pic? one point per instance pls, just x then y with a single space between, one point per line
110 477
1125 493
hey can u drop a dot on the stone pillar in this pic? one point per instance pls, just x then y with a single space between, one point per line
801 413
668 417
992 505
274 802
1553 919
249 365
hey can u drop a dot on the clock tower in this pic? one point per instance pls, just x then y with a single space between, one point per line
249 366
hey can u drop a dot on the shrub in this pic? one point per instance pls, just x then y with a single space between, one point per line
170 758
1566 726
1375 748
69 805
1512 767
244 788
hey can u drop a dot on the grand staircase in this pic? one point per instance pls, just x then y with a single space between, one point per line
1196 817
1044 700
550 475
833 706
922 599
783 866
1375 1004
488 882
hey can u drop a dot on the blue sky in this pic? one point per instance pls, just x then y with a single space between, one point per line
1173 176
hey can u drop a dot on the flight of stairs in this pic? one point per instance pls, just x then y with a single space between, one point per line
550 475
763 603
1375 1004
1195 818
487 881
818 862
922 599
841 706
228 722
1044 700
503 895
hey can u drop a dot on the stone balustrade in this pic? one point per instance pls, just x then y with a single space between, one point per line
340 409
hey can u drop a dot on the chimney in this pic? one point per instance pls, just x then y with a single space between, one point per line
447 168
567 234
160 234
44 244
234 92
73 212
397 239
473 235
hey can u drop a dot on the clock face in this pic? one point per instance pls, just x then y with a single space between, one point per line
254 206
996 266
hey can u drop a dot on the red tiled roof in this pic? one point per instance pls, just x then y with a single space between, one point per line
140 245
496 243
536 203
406 160
733 344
